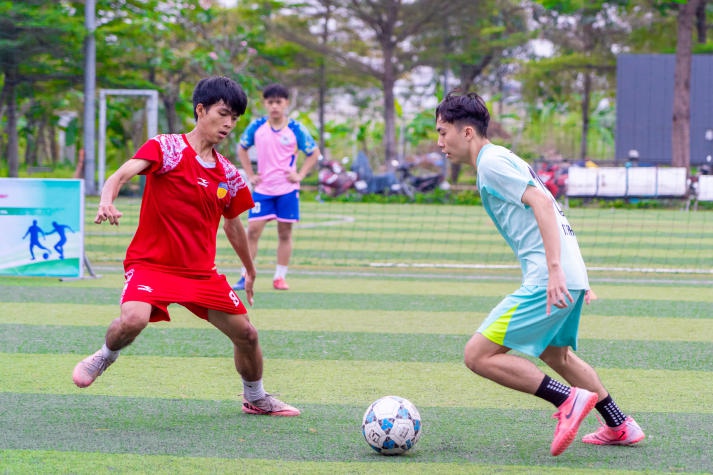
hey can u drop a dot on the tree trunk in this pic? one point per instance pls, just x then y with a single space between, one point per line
681 128
323 76
13 157
586 99
388 82
54 152
170 99
169 103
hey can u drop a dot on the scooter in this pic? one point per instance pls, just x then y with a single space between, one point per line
334 179
554 178
422 182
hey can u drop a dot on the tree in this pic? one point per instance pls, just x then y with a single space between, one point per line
40 43
585 37
681 130
168 46
377 39
477 46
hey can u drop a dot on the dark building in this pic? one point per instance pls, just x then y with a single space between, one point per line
644 108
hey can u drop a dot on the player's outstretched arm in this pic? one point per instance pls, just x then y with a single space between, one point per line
107 211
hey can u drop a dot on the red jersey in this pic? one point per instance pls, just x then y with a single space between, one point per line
181 208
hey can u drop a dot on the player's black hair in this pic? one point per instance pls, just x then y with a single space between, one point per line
275 90
211 90
464 109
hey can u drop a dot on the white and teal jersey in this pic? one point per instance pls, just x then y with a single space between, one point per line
503 177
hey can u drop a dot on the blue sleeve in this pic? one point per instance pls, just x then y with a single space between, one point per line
305 142
247 139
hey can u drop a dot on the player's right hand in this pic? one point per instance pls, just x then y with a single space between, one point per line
108 212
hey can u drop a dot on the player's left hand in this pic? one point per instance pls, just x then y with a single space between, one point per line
294 177
589 295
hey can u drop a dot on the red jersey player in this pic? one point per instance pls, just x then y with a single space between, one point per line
189 188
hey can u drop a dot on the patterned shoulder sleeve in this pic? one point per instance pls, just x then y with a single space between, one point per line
172 147
232 176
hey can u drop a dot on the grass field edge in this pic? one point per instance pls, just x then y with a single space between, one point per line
37 461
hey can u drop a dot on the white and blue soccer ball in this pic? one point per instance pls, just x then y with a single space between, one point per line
391 425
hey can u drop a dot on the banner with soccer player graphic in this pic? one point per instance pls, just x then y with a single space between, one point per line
41 227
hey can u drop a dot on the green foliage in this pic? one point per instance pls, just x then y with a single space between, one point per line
168 46
468 197
421 128
555 129
40 51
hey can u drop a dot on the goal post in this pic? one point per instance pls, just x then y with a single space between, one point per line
151 121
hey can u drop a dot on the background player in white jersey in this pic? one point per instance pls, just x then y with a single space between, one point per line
541 318
277 140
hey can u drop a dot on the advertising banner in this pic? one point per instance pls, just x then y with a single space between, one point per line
41 227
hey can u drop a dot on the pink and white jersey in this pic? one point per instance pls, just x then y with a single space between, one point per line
277 153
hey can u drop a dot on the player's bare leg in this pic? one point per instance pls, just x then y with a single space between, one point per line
284 252
121 332
248 360
573 369
255 229
492 361
247 351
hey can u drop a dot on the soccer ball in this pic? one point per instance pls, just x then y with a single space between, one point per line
391 425
46 255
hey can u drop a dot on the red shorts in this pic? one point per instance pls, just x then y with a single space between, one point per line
198 295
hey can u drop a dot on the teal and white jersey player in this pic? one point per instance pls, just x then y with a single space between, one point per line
541 318
503 178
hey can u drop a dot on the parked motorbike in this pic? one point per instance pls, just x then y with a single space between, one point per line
421 181
554 178
334 179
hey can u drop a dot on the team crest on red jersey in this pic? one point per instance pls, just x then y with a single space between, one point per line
222 190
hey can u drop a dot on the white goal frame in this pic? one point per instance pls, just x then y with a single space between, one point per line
151 121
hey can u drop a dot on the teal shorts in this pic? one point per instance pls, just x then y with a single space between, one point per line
520 321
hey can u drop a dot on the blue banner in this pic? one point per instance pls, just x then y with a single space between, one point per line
41 227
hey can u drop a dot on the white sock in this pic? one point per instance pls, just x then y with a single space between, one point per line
109 354
242 271
280 272
253 390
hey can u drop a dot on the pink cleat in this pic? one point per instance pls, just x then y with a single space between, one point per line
269 406
280 284
89 369
571 414
627 433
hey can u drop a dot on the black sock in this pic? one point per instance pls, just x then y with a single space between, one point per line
610 412
553 391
